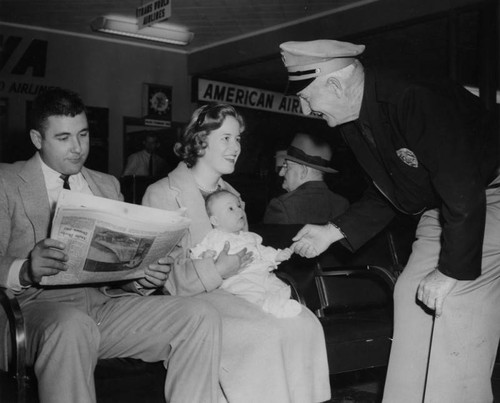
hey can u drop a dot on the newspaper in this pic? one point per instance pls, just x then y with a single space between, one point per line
107 240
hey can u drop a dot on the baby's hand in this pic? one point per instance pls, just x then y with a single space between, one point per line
210 253
283 255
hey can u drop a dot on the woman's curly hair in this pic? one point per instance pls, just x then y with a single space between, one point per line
193 141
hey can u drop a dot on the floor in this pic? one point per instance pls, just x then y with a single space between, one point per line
367 386
358 387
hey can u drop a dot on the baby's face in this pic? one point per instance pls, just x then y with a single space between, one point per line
228 213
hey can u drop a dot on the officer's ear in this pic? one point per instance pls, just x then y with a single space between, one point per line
36 138
335 86
304 171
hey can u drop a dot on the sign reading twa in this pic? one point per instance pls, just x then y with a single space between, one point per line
248 97
153 12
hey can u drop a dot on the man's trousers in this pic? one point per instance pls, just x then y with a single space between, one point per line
447 359
69 330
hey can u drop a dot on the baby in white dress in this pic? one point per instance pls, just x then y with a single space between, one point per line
255 282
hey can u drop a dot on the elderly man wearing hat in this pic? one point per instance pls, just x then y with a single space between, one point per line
430 150
308 199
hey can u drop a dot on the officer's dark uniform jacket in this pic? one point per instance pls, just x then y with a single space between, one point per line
424 146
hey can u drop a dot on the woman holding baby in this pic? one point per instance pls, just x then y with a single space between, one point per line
264 358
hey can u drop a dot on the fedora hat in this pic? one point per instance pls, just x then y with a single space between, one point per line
311 151
307 60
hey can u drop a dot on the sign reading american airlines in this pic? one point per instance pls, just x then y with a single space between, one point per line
248 97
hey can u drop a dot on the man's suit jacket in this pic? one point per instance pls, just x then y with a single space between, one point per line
25 216
310 203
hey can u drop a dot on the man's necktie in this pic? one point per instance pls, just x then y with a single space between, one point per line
65 179
150 168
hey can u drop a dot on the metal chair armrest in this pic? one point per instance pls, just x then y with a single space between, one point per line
385 274
17 361
381 273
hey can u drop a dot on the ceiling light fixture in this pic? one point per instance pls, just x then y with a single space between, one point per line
164 33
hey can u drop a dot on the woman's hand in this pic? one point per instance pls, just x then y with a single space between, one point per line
157 274
229 265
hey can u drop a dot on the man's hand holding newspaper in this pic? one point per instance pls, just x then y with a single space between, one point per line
108 240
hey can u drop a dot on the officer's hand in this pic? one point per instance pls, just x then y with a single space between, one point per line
312 240
433 290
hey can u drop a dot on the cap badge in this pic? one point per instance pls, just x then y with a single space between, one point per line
408 157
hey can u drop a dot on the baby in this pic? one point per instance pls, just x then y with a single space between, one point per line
255 282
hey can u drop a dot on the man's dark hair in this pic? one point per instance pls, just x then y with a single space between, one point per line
54 102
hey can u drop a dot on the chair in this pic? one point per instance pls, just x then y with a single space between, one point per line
294 288
354 305
17 368
116 379
351 294
357 316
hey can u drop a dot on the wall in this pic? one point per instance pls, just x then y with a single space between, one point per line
107 74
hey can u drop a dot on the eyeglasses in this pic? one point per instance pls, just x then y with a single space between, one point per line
288 164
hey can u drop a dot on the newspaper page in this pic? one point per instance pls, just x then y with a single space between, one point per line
108 240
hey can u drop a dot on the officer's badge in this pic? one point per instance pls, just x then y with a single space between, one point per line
408 157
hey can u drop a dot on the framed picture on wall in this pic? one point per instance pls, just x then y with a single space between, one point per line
157 103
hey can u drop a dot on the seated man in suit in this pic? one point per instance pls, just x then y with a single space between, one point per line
308 199
69 328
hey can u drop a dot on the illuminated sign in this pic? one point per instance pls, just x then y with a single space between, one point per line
153 12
